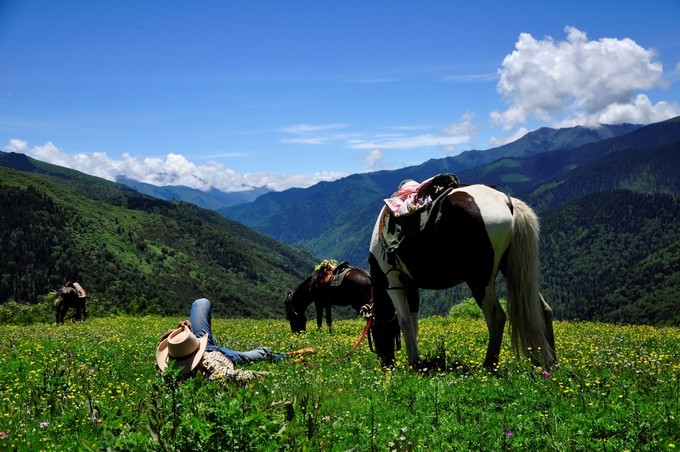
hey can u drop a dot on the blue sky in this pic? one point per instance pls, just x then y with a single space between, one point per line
230 94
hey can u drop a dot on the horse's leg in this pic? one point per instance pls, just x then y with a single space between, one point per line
408 321
495 318
329 320
549 332
319 313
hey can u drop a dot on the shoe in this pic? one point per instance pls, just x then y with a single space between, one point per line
302 351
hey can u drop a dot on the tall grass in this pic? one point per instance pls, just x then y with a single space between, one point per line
93 385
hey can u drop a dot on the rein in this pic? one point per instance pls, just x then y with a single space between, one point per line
367 312
361 339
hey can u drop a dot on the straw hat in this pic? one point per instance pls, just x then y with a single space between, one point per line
183 348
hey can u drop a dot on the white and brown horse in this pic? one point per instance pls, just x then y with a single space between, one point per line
471 234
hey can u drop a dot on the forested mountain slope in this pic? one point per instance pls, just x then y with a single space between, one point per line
133 252
615 257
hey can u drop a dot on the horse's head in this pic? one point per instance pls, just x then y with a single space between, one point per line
295 314
59 299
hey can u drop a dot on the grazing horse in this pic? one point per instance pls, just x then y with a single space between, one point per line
354 290
67 298
470 234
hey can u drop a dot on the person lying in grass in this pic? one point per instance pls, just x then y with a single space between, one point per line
191 348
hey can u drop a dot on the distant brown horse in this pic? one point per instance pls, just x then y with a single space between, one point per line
67 298
353 289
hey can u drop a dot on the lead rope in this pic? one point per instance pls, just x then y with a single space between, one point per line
366 312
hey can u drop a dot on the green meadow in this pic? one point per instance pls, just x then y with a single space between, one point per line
93 386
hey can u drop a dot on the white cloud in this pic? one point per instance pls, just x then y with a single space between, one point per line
579 81
174 169
16 146
374 159
448 140
470 78
302 129
639 111
464 128
410 142
314 134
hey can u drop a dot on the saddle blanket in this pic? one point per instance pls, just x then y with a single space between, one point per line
80 290
412 197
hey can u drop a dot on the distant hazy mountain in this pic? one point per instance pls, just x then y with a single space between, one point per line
213 199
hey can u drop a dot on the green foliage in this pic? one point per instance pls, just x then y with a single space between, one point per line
325 264
93 386
468 309
620 249
134 253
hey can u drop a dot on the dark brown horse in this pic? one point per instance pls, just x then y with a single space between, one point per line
67 298
470 234
352 288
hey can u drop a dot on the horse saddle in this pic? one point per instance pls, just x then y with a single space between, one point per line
335 277
394 227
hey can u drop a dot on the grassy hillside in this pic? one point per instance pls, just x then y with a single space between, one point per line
93 386
132 252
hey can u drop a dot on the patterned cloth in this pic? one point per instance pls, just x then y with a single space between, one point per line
216 366
412 197
409 198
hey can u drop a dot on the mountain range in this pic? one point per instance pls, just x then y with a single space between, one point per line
335 219
212 199
607 198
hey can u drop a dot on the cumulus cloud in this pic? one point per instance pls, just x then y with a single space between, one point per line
16 145
374 159
465 128
580 81
174 169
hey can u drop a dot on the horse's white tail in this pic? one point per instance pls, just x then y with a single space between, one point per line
525 310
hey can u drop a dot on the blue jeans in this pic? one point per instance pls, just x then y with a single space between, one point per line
201 321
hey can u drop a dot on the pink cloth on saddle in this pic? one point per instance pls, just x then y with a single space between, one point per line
409 198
